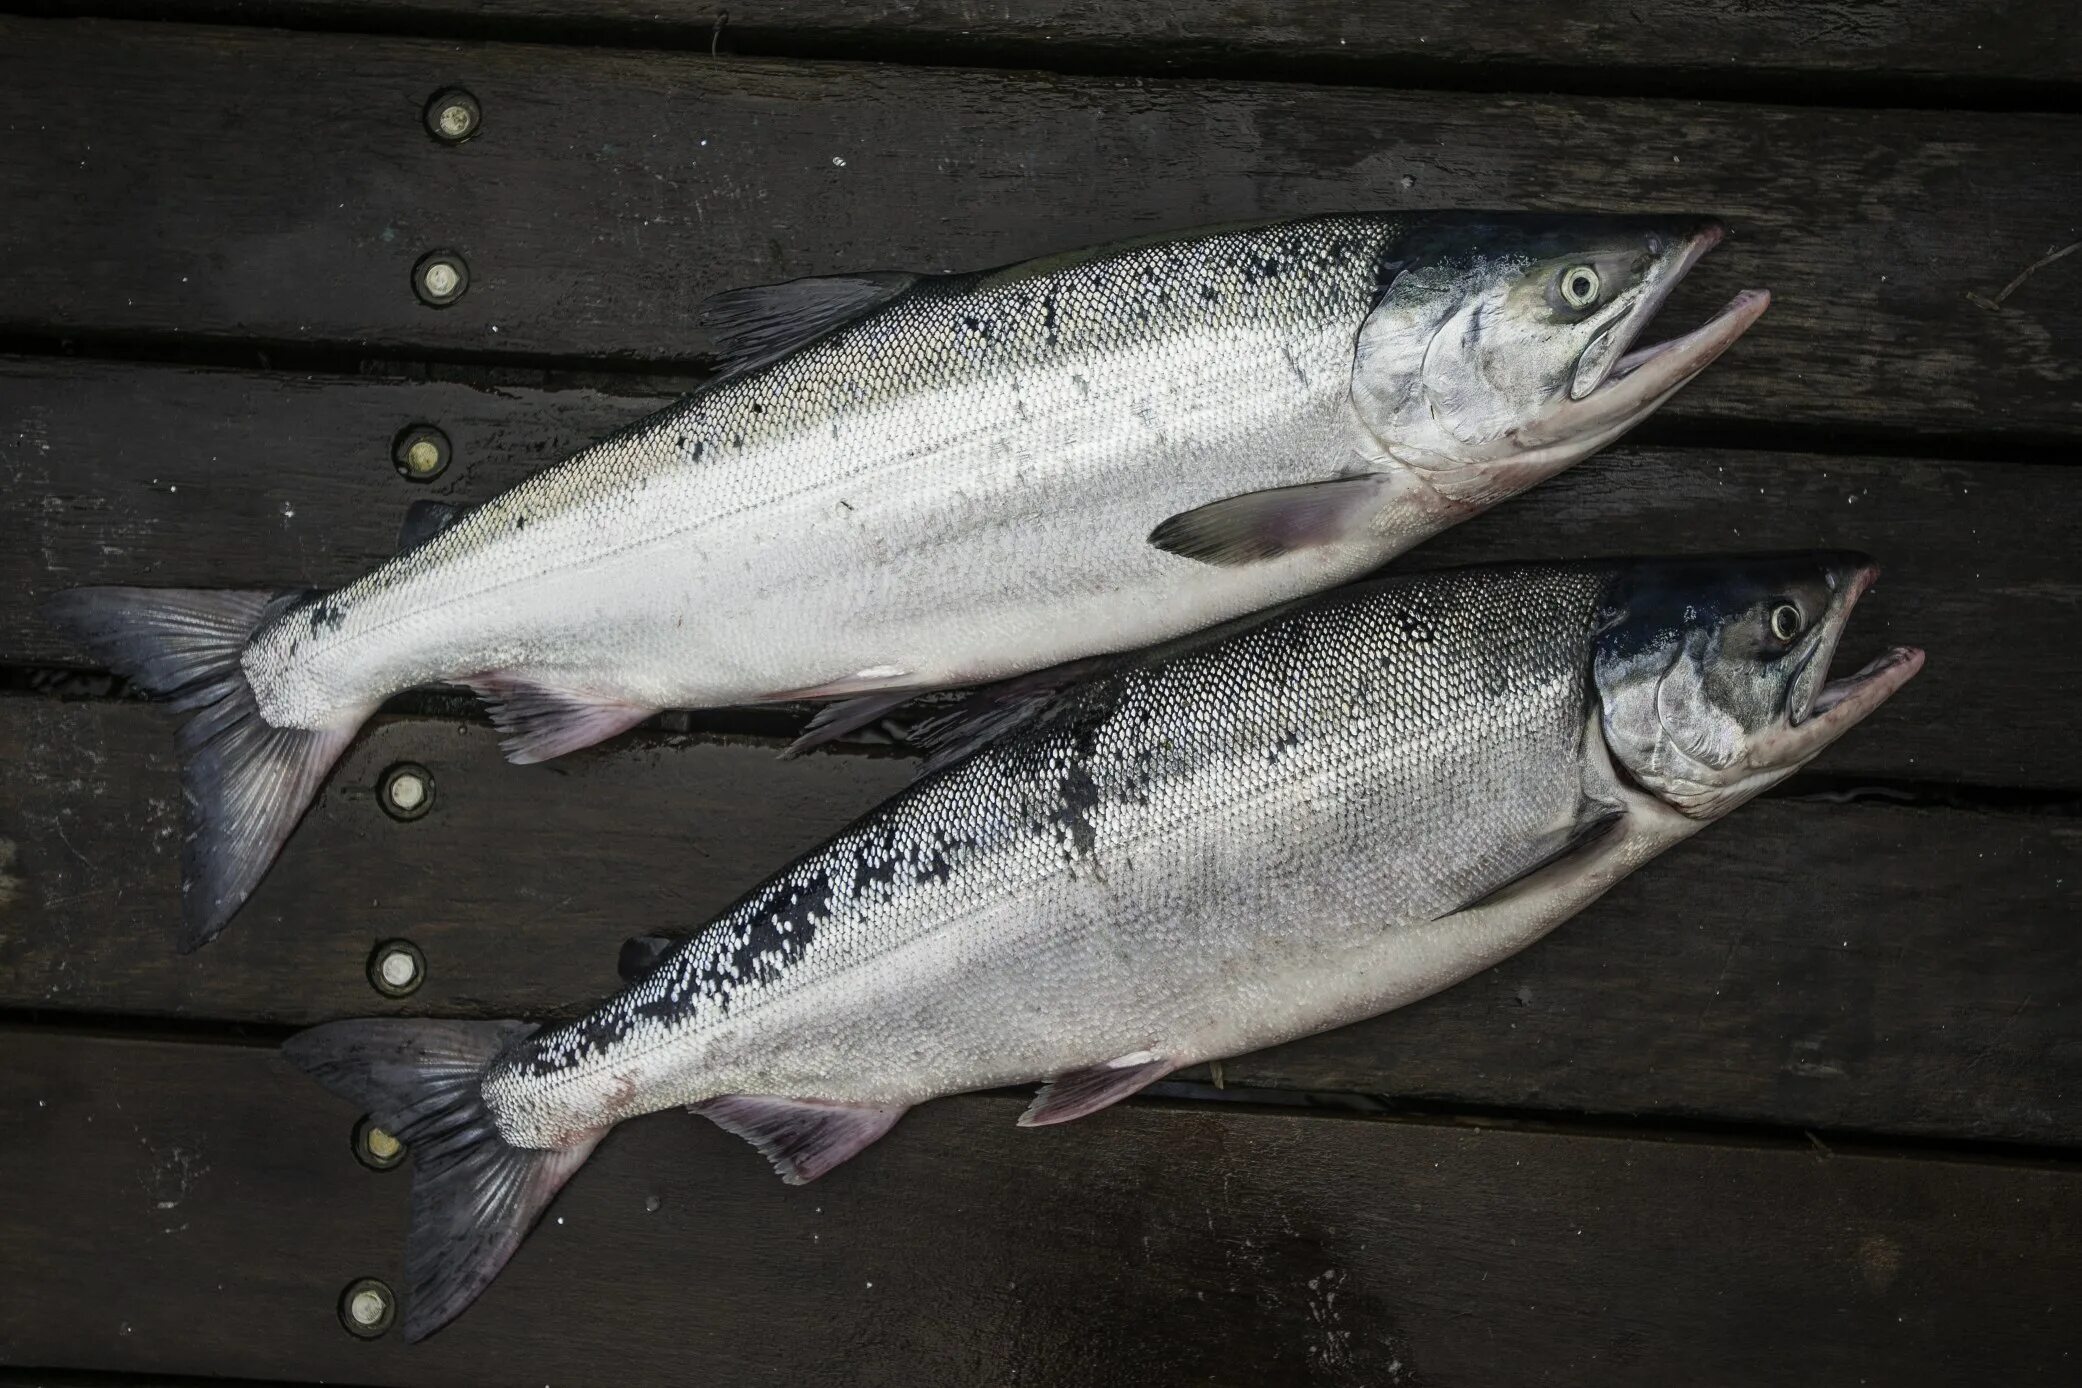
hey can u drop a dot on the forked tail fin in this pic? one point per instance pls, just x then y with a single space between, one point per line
246 783
474 1195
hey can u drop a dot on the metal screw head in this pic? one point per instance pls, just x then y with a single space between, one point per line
406 790
397 968
440 278
420 452
375 1148
452 116
367 1308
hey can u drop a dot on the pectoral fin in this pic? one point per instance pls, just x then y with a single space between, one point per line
1569 848
1075 1093
1256 526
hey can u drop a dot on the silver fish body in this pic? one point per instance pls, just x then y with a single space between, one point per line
916 482
956 487
1189 859
1255 833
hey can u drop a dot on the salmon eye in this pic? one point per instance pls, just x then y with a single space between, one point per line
1579 286
1785 622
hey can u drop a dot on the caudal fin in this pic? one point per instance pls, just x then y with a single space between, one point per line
474 1195
246 783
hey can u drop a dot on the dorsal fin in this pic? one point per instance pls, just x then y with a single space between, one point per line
426 519
641 953
761 322
996 709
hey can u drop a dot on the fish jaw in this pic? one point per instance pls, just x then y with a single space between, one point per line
1614 388
1821 710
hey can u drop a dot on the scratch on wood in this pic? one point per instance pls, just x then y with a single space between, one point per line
1995 305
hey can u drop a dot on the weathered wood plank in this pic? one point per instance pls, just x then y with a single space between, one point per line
128 474
253 184
1840 967
2001 45
192 1208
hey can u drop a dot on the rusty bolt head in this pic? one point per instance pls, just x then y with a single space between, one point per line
406 790
367 1308
397 968
375 1148
420 452
453 116
440 278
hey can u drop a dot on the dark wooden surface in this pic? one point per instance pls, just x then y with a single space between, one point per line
2018 49
1797 1104
1152 1243
292 189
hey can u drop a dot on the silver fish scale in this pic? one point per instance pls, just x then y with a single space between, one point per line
1235 844
897 496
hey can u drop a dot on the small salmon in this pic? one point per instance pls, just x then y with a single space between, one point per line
1337 809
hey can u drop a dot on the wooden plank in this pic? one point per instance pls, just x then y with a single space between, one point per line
191 183
195 1209
130 474
1999 45
1837 967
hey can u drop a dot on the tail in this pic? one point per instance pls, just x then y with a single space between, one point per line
246 783
474 1195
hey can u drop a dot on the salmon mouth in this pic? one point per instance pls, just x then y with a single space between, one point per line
1640 378
1827 708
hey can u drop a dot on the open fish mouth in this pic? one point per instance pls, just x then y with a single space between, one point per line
1831 707
1645 375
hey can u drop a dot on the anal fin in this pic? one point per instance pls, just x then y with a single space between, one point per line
834 721
1075 1093
1256 526
803 1138
540 722
877 680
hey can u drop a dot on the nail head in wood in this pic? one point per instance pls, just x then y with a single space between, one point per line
367 1308
440 278
421 452
397 968
375 1148
407 791
453 116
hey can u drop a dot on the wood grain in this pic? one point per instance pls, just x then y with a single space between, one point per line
195 1209
2003 45
192 184
183 477
1842 967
